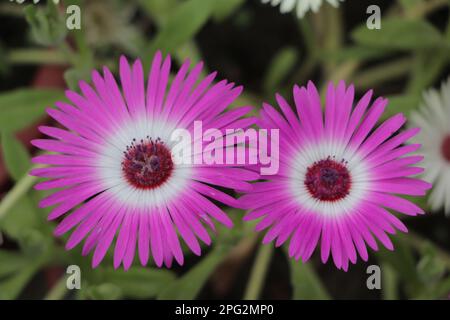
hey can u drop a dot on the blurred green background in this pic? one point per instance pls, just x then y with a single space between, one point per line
250 44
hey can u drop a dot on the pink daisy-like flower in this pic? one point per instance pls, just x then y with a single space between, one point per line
114 164
338 175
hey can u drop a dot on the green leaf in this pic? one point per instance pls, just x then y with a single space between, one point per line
430 268
184 22
15 155
353 53
21 107
402 262
47 24
73 76
158 10
401 104
10 262
12 286
420 201
441 290
400 34
139 282
426 68
408 4
36 244
224 8
104 291
189 285
281 65
390 283
305 283
21 219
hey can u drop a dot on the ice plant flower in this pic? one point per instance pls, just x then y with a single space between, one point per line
113 163
300 6
339 174
434 119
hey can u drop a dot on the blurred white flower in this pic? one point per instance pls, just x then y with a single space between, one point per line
34 1
433 118
108 22
301 6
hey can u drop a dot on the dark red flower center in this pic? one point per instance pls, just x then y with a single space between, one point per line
328 180
148 164
445 148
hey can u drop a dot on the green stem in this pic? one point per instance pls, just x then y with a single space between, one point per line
342 72
305 71
379 74
69 54
36 56
312 51
58 291
258 273
16 193
308 36
390 282
333 36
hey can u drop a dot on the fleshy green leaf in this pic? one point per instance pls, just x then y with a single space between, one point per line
402 262
390 283
12 286
353 53
15 155
158 10
281 65
104 291
21 107
401 104
73 76
408 4
305 283
184 22
189 285
441 290
11 262
400 34
223 8
428 65
21 219
430 268
139 282
47 24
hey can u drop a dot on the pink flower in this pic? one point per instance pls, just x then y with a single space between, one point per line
339 174
115 167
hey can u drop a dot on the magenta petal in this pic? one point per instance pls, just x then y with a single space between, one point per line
338 174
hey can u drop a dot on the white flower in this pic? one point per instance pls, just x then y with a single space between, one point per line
434 119
34 1
109 23
302 6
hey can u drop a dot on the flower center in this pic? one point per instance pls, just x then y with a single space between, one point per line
328 180
445 148
148 164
